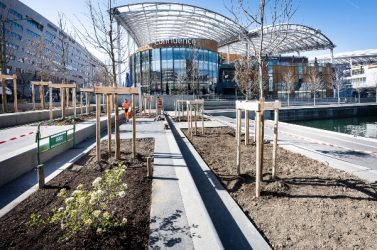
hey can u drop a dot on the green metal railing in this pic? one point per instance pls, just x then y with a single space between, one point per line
54 140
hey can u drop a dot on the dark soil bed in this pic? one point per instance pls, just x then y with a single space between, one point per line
69 120
184 118
135 206
310 206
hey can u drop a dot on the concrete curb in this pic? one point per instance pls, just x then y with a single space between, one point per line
25 159
21 118
248 230
203 233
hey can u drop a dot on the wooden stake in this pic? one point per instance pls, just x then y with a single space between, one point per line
80 103
149 167
67 93
87 101
74 102
32 95
41 176
98 127
108 109
50 106
274 152
41 96
203 119
238 138
62 101
117 132
133 126
4 96
15 102
196 119
258 154
247 127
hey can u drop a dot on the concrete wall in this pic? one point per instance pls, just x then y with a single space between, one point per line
26 159
20 118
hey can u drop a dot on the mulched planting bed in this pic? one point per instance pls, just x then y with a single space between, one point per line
184 118
15 233
69 120
310 206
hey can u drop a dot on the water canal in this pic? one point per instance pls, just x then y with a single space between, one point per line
357 126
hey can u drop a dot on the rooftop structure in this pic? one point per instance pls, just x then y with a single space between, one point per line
155 21
351 57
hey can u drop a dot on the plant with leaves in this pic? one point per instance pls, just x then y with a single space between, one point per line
88 209
289 79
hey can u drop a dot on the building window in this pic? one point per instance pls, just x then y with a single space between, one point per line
35 24
16 26
52 27
15 13
32 34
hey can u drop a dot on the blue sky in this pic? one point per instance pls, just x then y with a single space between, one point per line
350 24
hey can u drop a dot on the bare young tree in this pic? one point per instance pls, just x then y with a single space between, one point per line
289 79
257 14
375 82
246 77
61 62
104 36
314 81
338 81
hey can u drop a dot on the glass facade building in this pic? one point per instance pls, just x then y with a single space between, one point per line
175 70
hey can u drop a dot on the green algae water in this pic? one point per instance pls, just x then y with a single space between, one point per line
357 126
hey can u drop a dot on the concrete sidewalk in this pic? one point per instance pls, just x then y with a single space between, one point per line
179 219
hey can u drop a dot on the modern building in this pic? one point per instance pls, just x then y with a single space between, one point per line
189 49
36 48
359 70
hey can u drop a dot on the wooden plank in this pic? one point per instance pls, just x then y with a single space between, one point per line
40 83
117 131
133 126
258 154
238 138
15 102
275 145
86 90
108 109
114 90
8 77
50 101
247 127
98 128
62 85
256 106
196 101
4 96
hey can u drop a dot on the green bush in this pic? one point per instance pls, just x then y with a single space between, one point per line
89 209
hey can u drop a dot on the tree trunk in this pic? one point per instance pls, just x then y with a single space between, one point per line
338 96
314 98
288 99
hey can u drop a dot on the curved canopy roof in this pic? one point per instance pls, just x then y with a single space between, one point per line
155 21
356 57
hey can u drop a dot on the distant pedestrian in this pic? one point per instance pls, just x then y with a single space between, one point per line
126 107
159 105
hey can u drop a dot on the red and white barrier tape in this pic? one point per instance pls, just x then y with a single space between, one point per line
15 138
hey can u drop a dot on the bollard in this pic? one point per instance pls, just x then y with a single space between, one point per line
41 175
149 167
